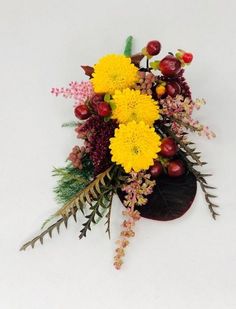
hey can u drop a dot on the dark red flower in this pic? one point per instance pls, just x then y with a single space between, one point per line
97 134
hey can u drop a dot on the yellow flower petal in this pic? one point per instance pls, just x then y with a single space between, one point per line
132 105
114 72
135 146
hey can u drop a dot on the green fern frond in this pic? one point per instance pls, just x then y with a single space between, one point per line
88 194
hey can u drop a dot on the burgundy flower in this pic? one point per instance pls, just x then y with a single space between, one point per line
97 134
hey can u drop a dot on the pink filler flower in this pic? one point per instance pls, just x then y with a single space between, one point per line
80 92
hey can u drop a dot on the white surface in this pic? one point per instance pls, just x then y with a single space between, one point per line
189 263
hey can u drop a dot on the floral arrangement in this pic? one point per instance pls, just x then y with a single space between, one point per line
134 113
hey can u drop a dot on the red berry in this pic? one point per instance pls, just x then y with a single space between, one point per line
187 57
173 88
176 168
168 147
153 48
82 112
103 109
96 99
156 169
170 66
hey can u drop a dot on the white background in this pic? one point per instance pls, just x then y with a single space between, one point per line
189 263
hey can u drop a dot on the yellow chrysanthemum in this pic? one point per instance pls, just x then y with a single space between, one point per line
114 72
135 146
132 105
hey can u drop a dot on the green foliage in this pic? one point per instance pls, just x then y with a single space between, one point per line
90 193
128 46
155 65
101 205
71 124
97 193
72 180
97 211
107 98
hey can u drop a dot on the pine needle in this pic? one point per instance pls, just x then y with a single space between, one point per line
71 124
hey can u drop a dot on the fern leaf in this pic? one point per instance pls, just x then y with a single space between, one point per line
97 211
48 231
89 193
101 190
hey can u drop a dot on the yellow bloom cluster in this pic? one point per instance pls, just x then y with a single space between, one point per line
132 105
114 72
135 146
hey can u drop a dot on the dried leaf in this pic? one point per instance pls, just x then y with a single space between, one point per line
137 58
48 231
88 70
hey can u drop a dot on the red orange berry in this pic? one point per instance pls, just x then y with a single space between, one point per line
170 66
156 169
103 109
173 88
153 48
176 168
160 90
187 57
82 112
168 147
96 99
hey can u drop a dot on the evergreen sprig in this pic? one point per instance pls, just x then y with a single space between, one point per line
71 124
71 180
90 193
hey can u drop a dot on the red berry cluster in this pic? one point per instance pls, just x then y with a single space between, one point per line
95 106
175 168
170 66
